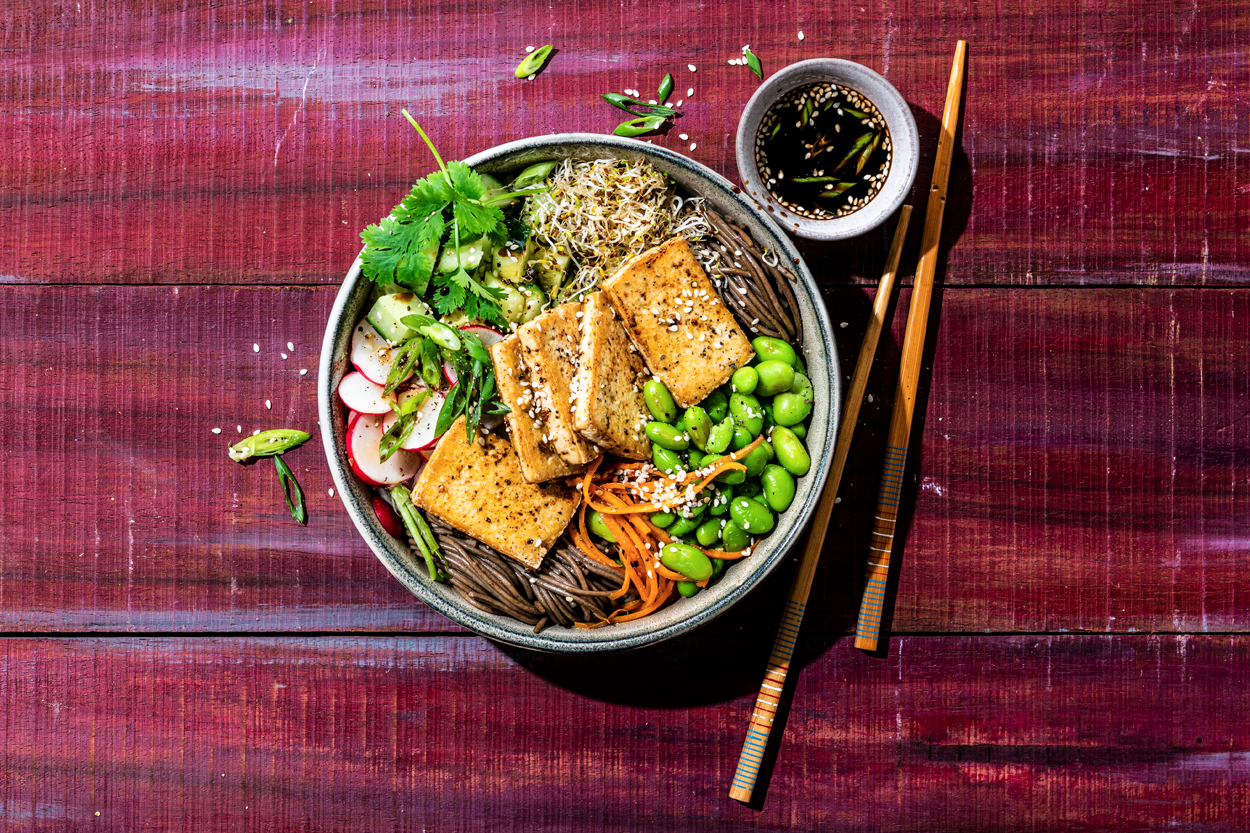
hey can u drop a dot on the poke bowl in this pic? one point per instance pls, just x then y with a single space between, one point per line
736 223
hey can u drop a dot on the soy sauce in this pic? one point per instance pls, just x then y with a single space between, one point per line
823 151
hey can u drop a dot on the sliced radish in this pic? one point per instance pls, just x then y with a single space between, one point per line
364 435
363 396
371 355
487 335
422 436
449 373
388 518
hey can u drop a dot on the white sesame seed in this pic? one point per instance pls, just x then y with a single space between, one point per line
268 405
800 34
690 92
692 67
837 500
239 428
331 493
257 431
683 137
531 49
303 371
216 430
283 355
694 145
290 346
870 397
678 104
255 348
843 324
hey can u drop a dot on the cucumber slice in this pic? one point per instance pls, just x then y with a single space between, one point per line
471 254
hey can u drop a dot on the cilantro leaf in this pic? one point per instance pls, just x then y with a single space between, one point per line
476 219
466 181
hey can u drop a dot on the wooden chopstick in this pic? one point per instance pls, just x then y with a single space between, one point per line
872 608
783 646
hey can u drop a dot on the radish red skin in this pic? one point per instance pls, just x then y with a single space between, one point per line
388 518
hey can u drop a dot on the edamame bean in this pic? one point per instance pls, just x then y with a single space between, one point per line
682 526
799 430
717 405
731 477
687 560
693 511
698 425
791 453
721 435
774 349
774 377
753 516
778 487
720 502
718 566
667 436
750 488
742 438
756 459
665 460
747 413
659 401
708 532
696 459
769 420
687 588
803 387
663 519
594 522
744 380
790 409
734 537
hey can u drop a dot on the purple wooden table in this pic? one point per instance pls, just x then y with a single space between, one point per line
181 182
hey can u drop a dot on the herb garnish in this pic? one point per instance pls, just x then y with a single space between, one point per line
650 117
398 248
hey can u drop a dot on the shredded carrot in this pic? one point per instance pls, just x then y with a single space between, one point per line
724 556
625 506
670 574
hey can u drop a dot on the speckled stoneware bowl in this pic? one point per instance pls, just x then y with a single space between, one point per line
739 579
898 118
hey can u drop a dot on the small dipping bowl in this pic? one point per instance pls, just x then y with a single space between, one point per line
903 136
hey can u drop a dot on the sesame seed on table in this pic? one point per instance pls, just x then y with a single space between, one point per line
1068 626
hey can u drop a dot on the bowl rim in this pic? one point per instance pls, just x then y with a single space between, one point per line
634 634
903 131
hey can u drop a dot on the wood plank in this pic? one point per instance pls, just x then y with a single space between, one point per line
1020 733
244 144
1080 468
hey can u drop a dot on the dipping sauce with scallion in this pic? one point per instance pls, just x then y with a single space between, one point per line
823 150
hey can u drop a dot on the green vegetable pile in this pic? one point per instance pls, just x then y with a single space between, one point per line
772 397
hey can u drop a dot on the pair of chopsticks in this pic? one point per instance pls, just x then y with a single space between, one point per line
869 624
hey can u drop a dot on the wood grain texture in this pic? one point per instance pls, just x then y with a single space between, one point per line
448 733
244 143
1081 466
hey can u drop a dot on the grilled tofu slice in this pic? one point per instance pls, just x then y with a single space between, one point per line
539 461
550 343
479 490
684 331
608 408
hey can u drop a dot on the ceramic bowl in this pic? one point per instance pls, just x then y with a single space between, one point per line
738 580
903 135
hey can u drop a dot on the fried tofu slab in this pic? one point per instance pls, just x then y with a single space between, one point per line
687 336
480 490
608 408
539 461
550 345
